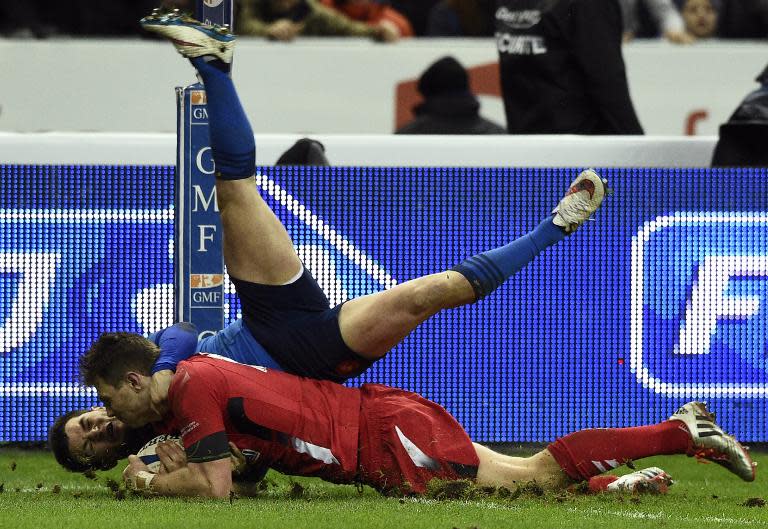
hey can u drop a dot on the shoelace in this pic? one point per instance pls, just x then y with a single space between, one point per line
573 211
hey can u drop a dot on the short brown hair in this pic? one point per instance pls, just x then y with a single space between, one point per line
58 442
114 354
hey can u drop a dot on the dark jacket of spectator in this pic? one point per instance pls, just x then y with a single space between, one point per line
744 137
562 71
416 12
461 18
36 18
744 19
449 107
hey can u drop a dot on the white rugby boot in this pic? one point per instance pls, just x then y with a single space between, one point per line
583 198
191 37
708 441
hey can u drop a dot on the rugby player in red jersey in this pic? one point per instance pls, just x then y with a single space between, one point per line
393 440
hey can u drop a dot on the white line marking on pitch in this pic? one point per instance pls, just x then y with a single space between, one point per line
664 516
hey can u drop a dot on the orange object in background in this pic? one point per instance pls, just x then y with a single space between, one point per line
372 14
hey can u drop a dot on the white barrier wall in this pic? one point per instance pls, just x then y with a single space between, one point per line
378 150
333 85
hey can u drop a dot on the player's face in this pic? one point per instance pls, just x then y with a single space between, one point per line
128 402
94 435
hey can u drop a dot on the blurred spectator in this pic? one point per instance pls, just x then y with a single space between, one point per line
561 66
744 137
744 19
374 14
21 20
286 19
187 6
305 151
666 20
700 17
416 12
36 18
461 18
448 107
107 18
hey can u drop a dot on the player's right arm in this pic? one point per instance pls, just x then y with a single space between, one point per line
177 342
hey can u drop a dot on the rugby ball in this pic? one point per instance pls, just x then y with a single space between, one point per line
147 453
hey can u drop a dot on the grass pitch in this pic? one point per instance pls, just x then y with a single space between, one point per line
36 493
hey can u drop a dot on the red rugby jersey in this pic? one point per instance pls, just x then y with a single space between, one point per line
295 425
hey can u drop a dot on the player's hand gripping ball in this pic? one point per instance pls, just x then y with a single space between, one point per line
162 454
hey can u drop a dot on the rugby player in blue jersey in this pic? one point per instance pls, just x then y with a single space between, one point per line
287 323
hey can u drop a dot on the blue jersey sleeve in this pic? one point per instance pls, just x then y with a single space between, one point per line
176 343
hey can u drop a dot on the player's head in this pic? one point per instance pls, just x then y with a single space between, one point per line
86 439
119 365
446 76
305 151
92 440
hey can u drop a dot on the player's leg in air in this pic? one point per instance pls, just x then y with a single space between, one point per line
258 250
257 247
281 301
372 325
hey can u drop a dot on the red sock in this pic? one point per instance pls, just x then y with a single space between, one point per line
600 483
588 453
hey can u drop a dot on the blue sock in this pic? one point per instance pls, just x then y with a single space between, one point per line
488 270
232 144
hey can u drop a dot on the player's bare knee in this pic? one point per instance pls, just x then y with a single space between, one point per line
427 296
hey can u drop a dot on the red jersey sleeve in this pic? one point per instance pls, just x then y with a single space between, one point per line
197 398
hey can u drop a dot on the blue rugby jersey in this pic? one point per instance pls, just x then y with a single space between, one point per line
180 341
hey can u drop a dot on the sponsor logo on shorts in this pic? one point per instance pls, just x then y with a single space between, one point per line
347 367
212 3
